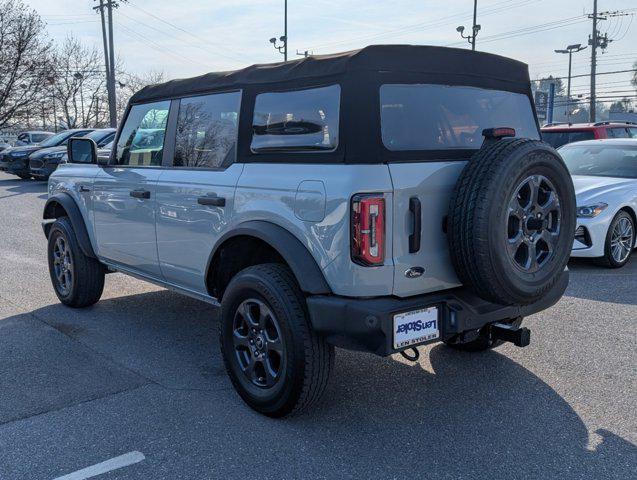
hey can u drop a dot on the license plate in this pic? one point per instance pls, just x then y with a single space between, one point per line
415 327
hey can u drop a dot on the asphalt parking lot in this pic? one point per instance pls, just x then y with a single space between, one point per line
140 374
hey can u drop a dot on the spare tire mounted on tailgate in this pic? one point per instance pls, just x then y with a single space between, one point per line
511 221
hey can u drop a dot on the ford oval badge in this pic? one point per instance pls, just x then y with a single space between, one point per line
414 272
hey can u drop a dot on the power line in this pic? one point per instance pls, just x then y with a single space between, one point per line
491 9
602 73
162 49
201 39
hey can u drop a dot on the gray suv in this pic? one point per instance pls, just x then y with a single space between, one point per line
376 200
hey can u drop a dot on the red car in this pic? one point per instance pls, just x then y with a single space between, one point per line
558 134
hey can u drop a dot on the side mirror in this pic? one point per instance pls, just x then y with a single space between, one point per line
82 150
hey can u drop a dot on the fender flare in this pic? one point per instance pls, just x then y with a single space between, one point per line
298 257
67 202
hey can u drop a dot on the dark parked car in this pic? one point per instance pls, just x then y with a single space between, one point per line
15 160
44 162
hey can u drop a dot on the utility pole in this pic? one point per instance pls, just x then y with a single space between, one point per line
570 50
105 40
109 56
475 28
593 43
112 108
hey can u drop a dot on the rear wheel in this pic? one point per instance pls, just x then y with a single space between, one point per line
275 361
483 341
620 241
78 280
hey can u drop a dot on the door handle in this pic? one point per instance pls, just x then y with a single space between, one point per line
212 201
414 238
84 188
140 194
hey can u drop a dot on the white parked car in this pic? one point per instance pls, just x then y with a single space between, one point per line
605 178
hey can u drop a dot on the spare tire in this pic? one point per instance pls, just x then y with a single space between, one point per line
512 220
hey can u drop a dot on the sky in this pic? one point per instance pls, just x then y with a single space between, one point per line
186 38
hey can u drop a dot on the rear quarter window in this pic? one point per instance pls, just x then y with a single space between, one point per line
297 121
439 117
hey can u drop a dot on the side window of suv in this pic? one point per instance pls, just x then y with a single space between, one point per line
207 130
141 141
296 121
632 132
618 133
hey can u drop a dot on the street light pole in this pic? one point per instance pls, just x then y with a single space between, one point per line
475 32
285 33
283 48
570 50
474 29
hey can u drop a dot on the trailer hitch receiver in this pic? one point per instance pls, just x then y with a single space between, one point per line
518 336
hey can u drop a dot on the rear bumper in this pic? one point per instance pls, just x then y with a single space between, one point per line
367 324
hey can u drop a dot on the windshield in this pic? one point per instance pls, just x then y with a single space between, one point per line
56 139
101 137
557 139
601 160
38 137
441 117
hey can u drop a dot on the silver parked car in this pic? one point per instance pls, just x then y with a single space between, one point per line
31 138
375 200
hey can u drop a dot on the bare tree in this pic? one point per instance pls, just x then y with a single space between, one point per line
129 84
79 87
24 63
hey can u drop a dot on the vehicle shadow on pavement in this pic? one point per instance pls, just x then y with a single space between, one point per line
478 415
452 415
603 284
18 186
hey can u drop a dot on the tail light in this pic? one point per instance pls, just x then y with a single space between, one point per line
368 229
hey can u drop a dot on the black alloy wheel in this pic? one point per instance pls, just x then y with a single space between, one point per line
63 266
258 344
533 224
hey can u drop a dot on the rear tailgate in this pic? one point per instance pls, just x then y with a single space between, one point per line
430 131
431 183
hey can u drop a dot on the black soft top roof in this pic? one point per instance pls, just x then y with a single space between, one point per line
453 65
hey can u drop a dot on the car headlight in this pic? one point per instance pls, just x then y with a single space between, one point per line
591 211
19 154
54 156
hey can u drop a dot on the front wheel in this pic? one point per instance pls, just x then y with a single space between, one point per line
78 280
620 241
275 361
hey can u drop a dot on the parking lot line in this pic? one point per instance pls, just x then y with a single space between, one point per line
125 460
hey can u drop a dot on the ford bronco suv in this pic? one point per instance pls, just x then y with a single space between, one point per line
375 200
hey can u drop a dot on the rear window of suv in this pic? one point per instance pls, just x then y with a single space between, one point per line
441 117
